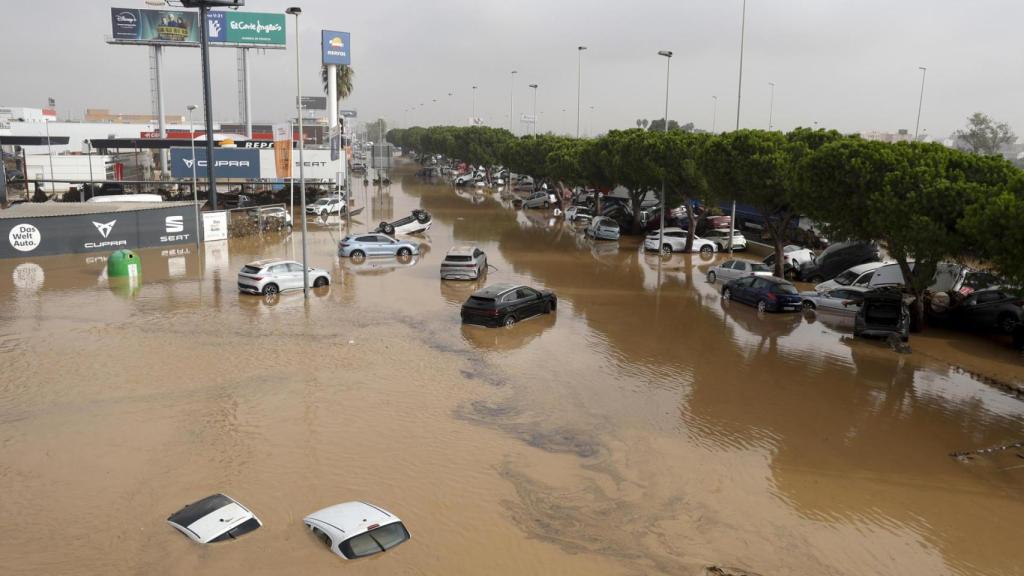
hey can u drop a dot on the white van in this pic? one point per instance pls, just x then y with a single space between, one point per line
888 275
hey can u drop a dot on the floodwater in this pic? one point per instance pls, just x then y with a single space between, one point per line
644 428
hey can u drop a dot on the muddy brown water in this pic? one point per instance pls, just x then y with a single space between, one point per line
644 428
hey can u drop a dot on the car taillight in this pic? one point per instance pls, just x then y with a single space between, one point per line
772 297
257 278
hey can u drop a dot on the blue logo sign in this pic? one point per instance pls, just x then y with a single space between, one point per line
228 163
216 27
335 47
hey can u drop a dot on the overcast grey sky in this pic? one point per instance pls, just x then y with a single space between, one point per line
847 64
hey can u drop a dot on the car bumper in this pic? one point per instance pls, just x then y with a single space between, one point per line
486 321
459 275
249 288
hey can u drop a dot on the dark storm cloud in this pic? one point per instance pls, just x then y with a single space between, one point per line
848 64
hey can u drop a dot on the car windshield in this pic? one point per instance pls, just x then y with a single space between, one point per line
760 268
846 278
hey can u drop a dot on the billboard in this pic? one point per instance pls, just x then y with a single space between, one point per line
335 47
228 163
181 27
98 232
313 102
283 150
156 26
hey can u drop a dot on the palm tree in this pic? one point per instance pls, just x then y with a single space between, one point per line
345 74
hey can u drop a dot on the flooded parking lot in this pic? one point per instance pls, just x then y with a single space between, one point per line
646 427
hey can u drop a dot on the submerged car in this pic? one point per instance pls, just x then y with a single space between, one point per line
464 263
989 310
767 293
214 519
721 239
357 529
271 217
415 223
542 199
326 206
358 246
674 240
506 304
836 258
733 269
793 257
603 228
882 313
857 276
268 277
836 300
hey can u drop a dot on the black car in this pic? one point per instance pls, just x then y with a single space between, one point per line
768 293
506 304
882 313
836 258
991 310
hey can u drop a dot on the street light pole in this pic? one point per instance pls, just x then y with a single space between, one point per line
739 99
195 188
771 106
661 229
474 106
295 11
204 45
512 104
579 86
714 113
534 86
920 101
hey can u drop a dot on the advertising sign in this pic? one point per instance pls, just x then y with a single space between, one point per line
313 102
348 113
228 162
155 26
102 232
181 27
283 150
215 226
335 47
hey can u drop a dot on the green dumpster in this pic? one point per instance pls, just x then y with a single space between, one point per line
124 264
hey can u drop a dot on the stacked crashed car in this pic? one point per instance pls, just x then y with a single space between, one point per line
358 246
268 277
506 304
357 529
768 293
214 519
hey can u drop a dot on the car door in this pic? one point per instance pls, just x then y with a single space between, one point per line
741 290
758 290
294 275
528 300
481 261
981 309
726 271
279 276
832 300
741 268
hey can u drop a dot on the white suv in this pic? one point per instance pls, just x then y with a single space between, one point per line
268 277
721 239
464 263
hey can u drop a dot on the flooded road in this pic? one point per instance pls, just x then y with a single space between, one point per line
644 428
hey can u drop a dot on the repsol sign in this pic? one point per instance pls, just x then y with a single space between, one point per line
102 232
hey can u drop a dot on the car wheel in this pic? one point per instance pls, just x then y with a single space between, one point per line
808 305
705 249
816 279
509 321
404 252
320 282
357 255
270 290
762 306
1006 323
666 249
726 294
712 277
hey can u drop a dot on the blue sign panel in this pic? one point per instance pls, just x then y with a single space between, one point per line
216 27
228 163
335 47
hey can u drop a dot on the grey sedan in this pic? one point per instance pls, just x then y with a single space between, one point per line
733 269
363 245
841 300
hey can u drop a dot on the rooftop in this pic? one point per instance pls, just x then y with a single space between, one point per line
45 209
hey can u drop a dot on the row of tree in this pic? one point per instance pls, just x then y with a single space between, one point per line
924 203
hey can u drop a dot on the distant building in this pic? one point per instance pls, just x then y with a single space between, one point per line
901 135
20 114
103 115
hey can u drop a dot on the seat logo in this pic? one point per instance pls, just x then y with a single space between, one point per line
174 224
105 229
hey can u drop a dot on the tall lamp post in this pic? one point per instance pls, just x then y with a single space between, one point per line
579 85
739 99
204 45
474 106
512 104
714 113
195 189
534 86
771 105
920 101
661 230
295 11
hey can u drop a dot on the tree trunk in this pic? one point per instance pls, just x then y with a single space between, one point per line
691 224
635 200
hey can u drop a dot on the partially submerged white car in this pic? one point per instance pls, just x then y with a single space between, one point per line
214 519
357 529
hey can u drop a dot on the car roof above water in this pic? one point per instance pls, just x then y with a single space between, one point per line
461 251
352 518
495 290
266 262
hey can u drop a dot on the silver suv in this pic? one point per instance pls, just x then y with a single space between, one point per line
268 277
538 200
464 263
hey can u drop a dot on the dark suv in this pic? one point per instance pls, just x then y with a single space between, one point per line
505 304
836 258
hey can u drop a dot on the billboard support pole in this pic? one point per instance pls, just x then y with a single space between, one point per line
204 45
244 85
158 75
